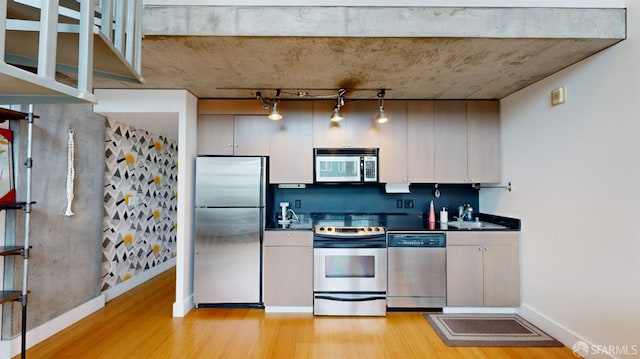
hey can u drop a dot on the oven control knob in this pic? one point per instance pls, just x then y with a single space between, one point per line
329 229
369 229
321 229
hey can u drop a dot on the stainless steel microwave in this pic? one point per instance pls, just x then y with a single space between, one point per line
349 165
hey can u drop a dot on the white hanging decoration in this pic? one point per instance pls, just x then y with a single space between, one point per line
70 172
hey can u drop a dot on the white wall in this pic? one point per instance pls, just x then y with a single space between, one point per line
182 106
575 170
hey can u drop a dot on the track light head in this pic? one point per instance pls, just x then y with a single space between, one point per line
381 117
336 116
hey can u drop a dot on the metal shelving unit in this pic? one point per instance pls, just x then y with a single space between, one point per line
20 296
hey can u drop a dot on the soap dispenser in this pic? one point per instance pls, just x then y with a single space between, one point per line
444 215
432 213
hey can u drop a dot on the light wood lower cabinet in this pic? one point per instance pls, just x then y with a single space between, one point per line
288 268
483 269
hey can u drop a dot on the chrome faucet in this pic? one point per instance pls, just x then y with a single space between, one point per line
465 213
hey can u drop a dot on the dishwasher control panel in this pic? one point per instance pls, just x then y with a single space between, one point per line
416 240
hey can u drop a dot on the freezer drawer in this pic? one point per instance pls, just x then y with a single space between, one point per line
227 256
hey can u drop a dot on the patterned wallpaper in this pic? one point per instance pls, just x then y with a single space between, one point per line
140 200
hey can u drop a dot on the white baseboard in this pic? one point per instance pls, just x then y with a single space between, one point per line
138 279
180 309
288 309
480 310
556 330
11 348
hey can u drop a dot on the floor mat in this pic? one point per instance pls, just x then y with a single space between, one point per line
496 330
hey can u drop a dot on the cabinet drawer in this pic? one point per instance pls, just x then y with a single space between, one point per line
478 238
288 238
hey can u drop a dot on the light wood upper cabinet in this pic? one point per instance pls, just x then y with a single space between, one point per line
393 158
239 135
357 130
483 138
291 147
420 141
483 269
215 135
467 141
251 135
423 142
450 130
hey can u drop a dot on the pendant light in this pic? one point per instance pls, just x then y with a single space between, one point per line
381 117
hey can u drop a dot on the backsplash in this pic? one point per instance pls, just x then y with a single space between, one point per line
369 198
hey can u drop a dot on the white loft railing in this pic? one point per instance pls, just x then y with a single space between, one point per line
51 49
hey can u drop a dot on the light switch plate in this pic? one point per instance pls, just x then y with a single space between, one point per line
558 96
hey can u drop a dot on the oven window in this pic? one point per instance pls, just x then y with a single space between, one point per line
350 266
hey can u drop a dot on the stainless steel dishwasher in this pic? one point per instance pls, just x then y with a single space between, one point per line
417 270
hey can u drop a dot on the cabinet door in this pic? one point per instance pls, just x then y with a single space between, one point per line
215 135
420 141
464 276
357 130
501 270
362 131
393 144
450 141
290 145
288 268
327 134
251 135
483 133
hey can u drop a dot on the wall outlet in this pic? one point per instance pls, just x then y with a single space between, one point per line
408 203
297 203
399 203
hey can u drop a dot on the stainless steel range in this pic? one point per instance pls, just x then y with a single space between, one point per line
350 267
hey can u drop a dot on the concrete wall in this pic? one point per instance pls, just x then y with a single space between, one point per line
575 170
64 266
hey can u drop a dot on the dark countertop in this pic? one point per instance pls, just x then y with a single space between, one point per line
403 222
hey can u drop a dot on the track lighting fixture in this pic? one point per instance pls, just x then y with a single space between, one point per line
271 105
336 116
381 117
274 115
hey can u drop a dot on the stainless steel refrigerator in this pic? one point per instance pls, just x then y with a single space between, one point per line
229 222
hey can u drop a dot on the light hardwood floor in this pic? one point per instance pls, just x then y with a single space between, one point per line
139 324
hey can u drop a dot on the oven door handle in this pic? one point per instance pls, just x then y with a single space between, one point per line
354 299
349 244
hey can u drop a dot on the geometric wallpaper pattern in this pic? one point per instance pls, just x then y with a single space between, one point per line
140 201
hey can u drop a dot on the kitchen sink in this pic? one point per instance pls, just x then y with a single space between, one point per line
474 225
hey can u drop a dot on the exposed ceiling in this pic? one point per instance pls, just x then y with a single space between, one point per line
412 52
410 68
